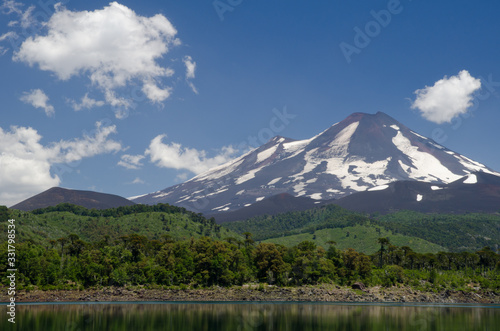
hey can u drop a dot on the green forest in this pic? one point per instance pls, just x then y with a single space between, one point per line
69 247
425 232
71 263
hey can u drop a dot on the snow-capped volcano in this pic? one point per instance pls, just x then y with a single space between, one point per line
361 152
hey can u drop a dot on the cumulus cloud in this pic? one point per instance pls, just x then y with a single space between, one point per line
131 161
38 99
85 103
175 156
26 164
113 46
447 98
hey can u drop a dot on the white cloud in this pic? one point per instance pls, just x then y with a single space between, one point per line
77 149
86 103
38 99
182 158
154 93
9 34
190 71
137 181
447 98
26 164
131 161
11 7
190 66
182 177
26 18
113 46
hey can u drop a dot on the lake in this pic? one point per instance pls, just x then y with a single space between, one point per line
205 316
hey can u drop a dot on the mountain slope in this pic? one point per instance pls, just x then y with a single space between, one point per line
276 204
158 222
87 199
475 193
361 152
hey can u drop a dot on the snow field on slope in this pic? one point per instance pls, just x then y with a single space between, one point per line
425 166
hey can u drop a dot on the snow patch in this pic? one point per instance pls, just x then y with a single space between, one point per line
435 188
425 167
248 204
260 199
161 195
316 196
264 155
341 142
395 127
223 206
240 192
379 188
419 135
471 179
274 181
419 197
246 177
331 190
137 196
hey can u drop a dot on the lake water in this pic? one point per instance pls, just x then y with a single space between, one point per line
205 316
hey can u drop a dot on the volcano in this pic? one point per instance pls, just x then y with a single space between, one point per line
361 152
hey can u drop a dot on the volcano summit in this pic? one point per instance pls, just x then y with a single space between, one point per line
361 152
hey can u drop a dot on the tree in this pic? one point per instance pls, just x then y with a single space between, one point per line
269 262
383 243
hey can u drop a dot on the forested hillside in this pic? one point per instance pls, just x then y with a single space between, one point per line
426 232
153 222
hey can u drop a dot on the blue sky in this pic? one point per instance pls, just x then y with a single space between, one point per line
133 97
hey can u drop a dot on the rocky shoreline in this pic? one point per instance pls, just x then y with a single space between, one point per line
322 293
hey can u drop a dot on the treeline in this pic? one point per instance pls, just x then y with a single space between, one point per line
467 232
91 225
290 223
70 262
122 211
457 232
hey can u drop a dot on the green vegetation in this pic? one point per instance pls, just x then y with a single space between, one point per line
425 233
154 222
72 263
362 238
69 247
457 232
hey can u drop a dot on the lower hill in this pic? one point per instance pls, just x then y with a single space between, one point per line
86 199
362 238
422 232
155 222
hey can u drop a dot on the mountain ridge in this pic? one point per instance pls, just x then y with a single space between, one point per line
361 152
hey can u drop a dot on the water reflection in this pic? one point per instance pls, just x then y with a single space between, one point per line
239 316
